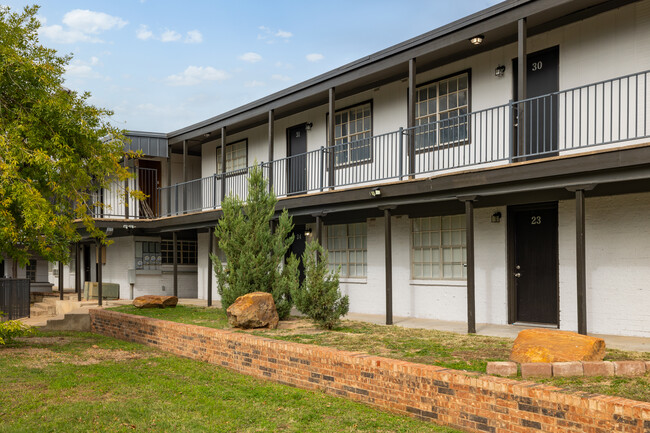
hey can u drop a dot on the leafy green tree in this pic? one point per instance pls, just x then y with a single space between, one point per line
53 147
255 254
319 296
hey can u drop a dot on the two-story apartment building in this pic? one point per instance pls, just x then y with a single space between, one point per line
494 170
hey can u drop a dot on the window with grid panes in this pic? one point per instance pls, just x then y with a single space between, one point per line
352 132
30 270
235 156
438 248
186 252
441 112
347 247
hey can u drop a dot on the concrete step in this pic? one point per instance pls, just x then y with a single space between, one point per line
76 320
54 299
42 309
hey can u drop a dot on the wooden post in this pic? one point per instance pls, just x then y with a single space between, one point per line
581 270
330 138
223 163
388 254
411 119
175 262
471 303
99 274
210 243
60 280
77 271
169 181
271 132
522 66
185 185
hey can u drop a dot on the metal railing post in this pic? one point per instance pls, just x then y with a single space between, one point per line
322 167
511 133
400 140
214 191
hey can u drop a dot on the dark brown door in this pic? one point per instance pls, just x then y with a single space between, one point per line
297 163
298 247
537 117
533 263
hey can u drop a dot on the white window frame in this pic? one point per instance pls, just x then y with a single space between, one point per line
357 134
360 246
440 242
431 113
234 159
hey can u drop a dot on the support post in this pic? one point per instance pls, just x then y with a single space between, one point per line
169 181
60 280
210 244
522 67
223 163
185 185
126 195
411 119
581 270
388 254
469 232
271 132
100 294
330 138
175 262
77 271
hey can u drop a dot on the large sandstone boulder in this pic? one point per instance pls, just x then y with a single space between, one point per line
550 345
254 310
153 301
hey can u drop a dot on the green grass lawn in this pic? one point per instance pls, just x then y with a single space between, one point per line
80 382
446 349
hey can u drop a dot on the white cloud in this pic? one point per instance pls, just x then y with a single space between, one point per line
81 26
314 57
250 57
143 33
194 75
272 36
170 36
92 22
280 77
283 34
283 65
81 69
254 83
194 37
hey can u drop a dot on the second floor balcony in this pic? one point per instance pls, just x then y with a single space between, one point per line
600 114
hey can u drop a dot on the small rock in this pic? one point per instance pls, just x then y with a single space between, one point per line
549 345
153 301
536 369
629 368
598 368
567 369
253 310
507 369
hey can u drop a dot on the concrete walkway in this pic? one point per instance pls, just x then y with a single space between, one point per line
637 344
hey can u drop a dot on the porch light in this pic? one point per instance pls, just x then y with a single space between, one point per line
496 217
308 126
375 192
499 71
308 231
477 40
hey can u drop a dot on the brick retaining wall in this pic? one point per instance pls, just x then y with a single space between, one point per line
467 401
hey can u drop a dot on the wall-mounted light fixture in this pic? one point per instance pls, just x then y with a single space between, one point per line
308 126
496 217
206 135
109 231
477 40
499 71
375 192
308 231
128 226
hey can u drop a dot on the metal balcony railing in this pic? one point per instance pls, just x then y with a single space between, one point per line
596 114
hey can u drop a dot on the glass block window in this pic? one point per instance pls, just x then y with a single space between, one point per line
185 250
347 247
30 270
438 248
442 106
352 132
236 157
147 255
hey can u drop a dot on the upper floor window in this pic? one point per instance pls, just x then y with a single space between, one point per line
236 156
442 106
352 132
438 248
347 247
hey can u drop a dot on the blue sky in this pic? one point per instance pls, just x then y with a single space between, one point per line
162 65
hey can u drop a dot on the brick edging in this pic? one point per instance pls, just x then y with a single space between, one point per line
569 369
464 400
